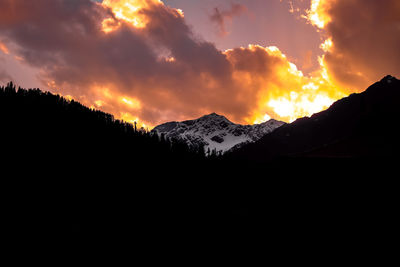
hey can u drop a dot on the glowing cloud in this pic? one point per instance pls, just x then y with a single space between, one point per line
317 13
131 11
362 40
4 49
282 91
140 61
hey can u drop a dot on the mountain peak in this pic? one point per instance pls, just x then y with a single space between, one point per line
213 116
213 119
215 131
388 79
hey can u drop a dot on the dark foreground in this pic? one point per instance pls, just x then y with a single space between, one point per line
76 178
292 202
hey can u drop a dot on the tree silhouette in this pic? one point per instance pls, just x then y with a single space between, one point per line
72 165
35 121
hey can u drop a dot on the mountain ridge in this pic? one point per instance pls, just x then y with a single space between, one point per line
79 173
360 125
215 132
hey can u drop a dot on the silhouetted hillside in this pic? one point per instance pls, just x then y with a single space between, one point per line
75 172
49 129
359 126
78 176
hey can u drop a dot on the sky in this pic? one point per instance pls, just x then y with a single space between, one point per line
153 61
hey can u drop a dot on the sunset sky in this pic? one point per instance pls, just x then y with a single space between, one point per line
154 61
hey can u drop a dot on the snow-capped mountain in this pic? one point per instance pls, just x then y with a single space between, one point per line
216 132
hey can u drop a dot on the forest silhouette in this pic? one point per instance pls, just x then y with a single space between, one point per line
66 133
79 175
75 171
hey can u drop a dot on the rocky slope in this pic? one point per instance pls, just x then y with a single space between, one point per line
215 132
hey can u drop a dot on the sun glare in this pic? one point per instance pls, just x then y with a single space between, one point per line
316 14
131 11
326 45
126 10
131 102
262 119
295 105
294 96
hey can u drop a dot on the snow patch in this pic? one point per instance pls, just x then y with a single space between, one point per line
215 132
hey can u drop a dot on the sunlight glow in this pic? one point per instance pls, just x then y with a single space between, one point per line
180 12
132 11
316 14
293 70
110 100
310 86
98 103
326 45
109 25
295 105
4 49
68 97
127 117
265 118
127 10
287 93
131 102
170 59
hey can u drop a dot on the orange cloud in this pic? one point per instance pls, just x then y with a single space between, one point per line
140 61
317 14
133 12
276 87
362 40
4 49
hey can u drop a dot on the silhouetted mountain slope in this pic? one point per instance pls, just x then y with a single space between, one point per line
40 126
360 125
71 171
76 176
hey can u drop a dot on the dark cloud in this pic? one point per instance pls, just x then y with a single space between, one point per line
366 40
220 17
145 65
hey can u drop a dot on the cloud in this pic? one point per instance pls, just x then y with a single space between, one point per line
273 85
5 77
220 18
4 48
363 40
140 61
4 51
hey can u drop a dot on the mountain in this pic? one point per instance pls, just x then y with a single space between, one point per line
358 126
74 172
215 132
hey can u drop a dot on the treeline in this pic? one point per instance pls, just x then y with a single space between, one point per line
39 125
77 175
